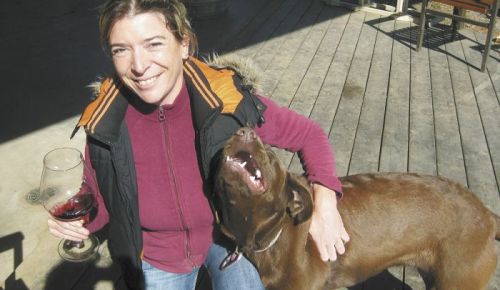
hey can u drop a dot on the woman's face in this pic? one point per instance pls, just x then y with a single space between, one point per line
147 57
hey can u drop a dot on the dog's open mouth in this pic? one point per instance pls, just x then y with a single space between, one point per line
244 163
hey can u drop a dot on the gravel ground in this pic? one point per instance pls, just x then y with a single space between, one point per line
471 14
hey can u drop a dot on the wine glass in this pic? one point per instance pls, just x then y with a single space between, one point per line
66 195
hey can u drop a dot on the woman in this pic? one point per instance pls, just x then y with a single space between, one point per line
153 134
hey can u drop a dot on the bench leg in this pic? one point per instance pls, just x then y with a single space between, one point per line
422 26
489 38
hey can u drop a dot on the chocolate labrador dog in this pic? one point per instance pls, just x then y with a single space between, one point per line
428 222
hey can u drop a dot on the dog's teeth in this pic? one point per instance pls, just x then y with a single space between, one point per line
243 164
252 178
257 173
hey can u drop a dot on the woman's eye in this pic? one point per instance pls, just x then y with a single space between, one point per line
118 51
155 44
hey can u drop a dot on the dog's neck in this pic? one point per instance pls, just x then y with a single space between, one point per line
273 241
271 236
292 241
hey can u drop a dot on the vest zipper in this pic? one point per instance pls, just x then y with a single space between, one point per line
162 118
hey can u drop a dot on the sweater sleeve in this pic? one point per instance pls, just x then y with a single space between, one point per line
286 129
102 216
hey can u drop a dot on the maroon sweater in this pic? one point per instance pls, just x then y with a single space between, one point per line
175 215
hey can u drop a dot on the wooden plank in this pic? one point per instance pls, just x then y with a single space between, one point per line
226 26
273 34
248 36
307 94
493 63
274 71
328 100
394 152
292 77
249 41
487 101
342 47
279 39
479 169
347 117
422 152
366 151
281 61
450 160
273 25
489 110
302 79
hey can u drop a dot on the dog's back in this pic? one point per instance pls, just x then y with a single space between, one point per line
426 221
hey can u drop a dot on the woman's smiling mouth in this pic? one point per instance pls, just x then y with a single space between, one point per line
145 83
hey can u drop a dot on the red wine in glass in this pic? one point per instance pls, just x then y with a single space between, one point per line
77 207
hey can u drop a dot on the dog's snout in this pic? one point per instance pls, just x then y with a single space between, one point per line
246 134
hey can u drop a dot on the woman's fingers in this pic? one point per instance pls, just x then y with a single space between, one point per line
339 246
73 230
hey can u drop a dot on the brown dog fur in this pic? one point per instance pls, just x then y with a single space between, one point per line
428 222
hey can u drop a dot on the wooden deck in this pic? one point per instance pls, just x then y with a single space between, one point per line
385 106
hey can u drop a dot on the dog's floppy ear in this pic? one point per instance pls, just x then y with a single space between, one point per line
300 205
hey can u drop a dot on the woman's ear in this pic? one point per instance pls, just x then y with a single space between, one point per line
185 48
300 204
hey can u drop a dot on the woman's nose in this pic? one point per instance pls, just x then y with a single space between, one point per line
140 62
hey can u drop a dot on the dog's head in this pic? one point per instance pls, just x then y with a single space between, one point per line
256 192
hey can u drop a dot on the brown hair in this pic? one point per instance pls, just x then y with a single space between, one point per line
173 10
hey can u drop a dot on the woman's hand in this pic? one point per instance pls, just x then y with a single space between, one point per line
327 229
73 230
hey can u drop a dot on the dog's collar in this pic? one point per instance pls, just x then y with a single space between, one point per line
273 241
234 256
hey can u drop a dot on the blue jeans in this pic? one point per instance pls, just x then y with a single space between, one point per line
241 275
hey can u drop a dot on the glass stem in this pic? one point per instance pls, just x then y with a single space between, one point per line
72 244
